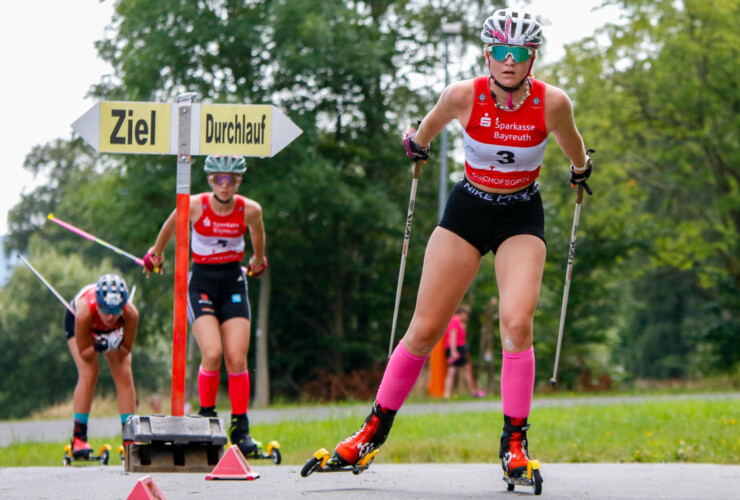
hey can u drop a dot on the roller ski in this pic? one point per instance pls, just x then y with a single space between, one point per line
79 450
519 470
357 452
239 435
122 451
272 452
322 461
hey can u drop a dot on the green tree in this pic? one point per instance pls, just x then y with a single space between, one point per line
662 106
34 348
334 200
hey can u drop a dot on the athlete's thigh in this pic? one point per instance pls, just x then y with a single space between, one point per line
82 365
450 264
207 332
120 368
520 262
235 336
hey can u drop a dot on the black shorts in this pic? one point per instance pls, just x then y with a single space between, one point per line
69 325
485 220
219 290
462 360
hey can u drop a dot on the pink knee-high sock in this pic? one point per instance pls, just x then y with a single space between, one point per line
517 383
207 387
399 378
239 392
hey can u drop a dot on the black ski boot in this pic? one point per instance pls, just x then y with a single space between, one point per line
207 411
239 434
514 452
81 449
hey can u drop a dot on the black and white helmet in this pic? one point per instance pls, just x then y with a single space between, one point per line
511 27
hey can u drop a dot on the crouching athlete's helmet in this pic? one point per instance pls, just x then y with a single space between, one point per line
225 164
112 294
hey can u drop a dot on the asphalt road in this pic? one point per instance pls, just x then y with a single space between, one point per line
393 481
403 481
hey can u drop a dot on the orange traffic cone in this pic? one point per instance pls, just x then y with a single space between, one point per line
437 370
146 489
233 465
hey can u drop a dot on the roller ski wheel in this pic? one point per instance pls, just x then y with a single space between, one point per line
103 456
272 452
67 460
322 461
533 478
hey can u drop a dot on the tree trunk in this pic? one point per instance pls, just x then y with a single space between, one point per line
262 389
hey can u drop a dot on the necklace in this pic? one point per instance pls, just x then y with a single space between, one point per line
506 107
223 202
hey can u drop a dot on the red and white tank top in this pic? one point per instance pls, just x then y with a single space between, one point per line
505 149
88 293
217 239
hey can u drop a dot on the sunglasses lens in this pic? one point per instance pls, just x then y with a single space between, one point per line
224 178
109 311
501 52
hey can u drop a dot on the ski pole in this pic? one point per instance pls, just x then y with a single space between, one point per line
96 240
404 251
51 288
569 270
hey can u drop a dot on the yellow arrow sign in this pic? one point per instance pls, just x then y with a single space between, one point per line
151 128
134 127
235 130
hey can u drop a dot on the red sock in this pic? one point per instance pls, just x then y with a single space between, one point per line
239 392
207 387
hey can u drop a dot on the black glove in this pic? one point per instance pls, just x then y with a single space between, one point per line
413 150
101 344
577 178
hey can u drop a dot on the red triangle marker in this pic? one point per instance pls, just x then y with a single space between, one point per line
233 465
146 489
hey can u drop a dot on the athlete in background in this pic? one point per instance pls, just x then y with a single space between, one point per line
104 323
457 352
218 302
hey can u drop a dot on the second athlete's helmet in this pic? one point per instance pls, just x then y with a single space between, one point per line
511 27
111 294
225 164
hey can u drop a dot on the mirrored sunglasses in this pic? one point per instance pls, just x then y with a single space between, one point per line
105 310
519 54
228 179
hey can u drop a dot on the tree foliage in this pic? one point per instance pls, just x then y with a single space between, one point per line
657 269
661 101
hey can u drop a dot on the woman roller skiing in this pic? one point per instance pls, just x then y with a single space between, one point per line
506 116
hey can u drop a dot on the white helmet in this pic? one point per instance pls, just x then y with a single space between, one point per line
510 27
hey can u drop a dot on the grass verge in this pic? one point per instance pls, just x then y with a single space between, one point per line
695 431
